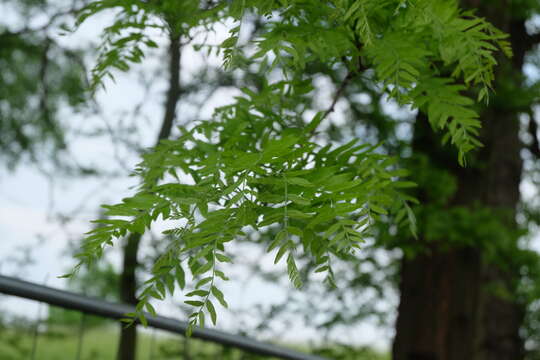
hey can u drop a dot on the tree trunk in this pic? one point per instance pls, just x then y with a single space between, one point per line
447 310
128 280
128 286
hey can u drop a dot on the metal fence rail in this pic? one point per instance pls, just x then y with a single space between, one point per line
94 306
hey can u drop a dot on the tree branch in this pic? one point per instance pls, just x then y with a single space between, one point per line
534 147
312 126
173 93
533 40
338 94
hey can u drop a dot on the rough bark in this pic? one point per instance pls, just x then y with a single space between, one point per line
128 280
447 311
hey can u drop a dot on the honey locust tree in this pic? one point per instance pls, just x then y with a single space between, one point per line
260 162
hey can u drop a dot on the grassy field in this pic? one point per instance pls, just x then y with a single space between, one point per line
100 343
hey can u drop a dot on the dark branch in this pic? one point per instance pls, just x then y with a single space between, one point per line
534 147
338 94
174 91
533 40
350 75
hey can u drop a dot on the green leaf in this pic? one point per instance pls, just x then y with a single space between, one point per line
378 209
219 296
299 200
204 268
203 282
201 318
223 258
150 309
221 275
294 275
180 276
280 237
194 303
299 181
211 311
189 329
201 293
161 288
412 220
229 42
332 229
142 319
282 250
296 214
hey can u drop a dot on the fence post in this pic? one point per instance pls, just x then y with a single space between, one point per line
80 336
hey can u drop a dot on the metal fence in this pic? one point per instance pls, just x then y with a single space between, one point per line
94 306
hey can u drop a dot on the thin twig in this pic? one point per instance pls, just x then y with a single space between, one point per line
359 68
338 94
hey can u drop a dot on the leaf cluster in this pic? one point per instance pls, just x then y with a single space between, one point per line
426 54
244 172
257 163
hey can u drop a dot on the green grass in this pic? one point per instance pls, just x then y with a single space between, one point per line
97 344
100 343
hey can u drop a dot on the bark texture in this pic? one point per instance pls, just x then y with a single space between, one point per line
128 280
447 311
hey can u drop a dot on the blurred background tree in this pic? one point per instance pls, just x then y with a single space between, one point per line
40 78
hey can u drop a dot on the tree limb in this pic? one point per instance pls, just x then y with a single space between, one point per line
534 147
338 94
